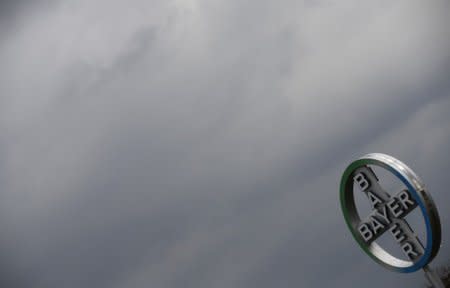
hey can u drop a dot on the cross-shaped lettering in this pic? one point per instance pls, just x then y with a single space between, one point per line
388 213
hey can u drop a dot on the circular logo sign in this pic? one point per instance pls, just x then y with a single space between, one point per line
389 211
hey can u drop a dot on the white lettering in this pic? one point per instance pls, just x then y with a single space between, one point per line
395 209
376 225
365 232
374 200
405 199
383 215
363 183
409 251
397 233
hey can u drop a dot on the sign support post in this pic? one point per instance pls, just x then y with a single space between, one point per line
433 277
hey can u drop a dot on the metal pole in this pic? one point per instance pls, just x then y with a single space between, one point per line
433 277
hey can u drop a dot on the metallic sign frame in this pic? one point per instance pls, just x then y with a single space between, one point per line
417 189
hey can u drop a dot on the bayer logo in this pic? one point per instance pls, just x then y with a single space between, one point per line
388 206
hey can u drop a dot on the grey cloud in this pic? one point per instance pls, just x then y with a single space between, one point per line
200 144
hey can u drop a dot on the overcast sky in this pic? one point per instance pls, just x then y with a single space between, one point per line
200 143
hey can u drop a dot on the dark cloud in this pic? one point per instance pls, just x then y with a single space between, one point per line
10 8
200 144
14 13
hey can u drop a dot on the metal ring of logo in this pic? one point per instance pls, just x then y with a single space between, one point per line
420 195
